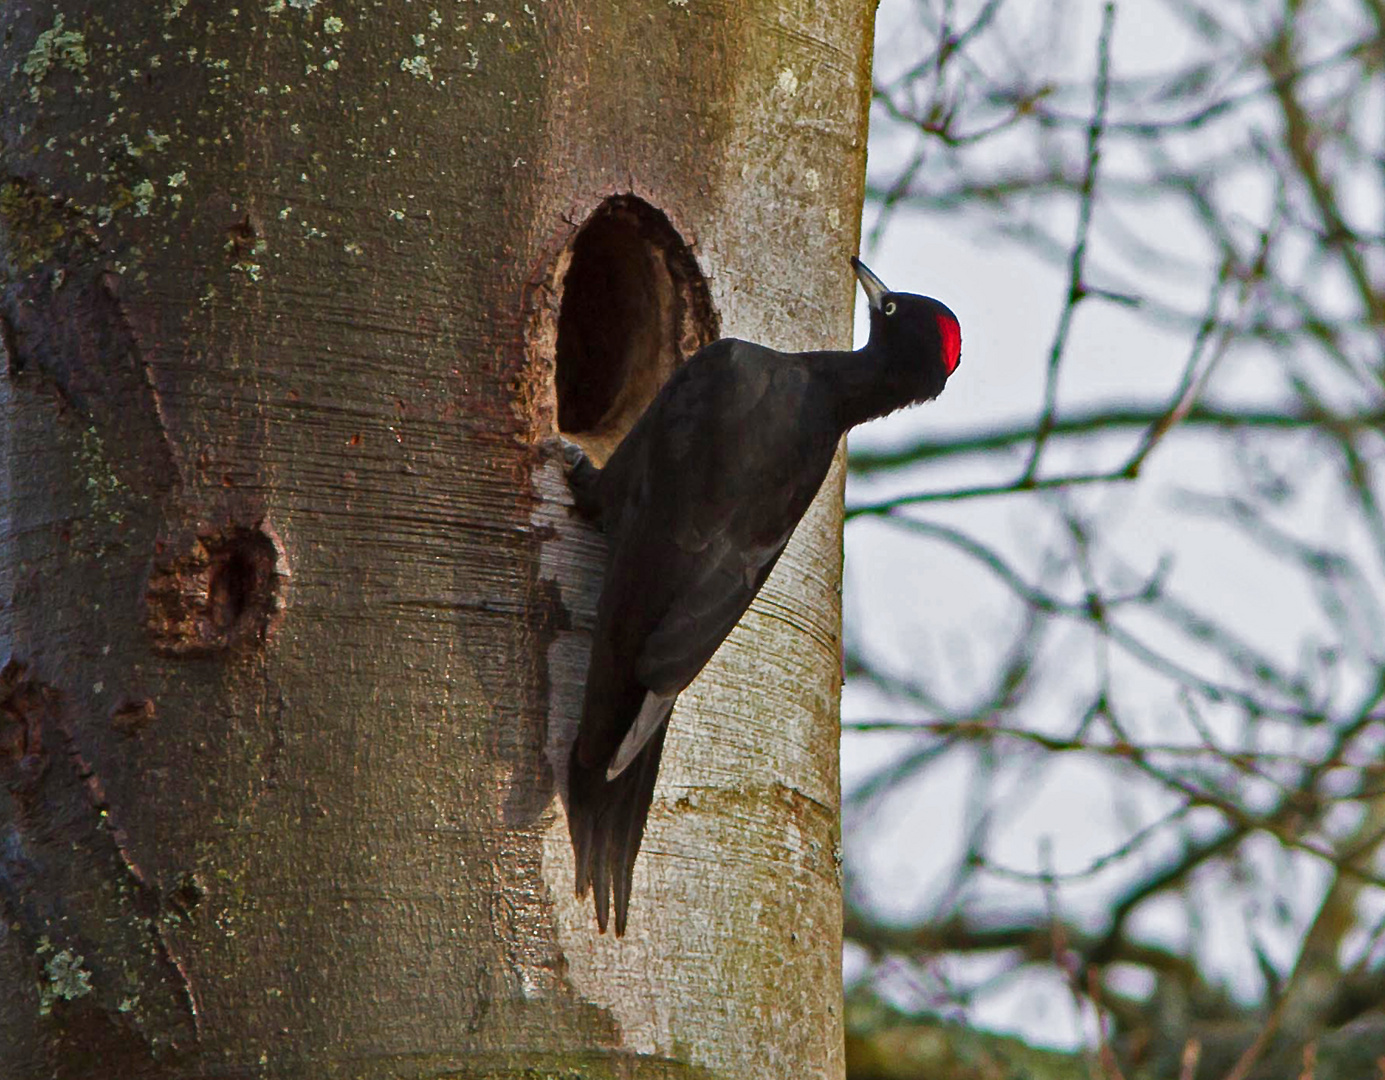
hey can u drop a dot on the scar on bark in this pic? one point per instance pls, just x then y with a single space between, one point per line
213 589
87 921
131 715
23 704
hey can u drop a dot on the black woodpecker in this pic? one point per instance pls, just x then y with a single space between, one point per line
697 504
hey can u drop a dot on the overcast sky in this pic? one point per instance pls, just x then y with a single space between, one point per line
924 606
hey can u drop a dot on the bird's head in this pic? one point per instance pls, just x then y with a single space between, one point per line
913 329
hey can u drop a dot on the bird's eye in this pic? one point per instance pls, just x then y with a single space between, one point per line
890 307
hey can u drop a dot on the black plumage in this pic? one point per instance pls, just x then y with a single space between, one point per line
697 503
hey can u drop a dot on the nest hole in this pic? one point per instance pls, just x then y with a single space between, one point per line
231 587
211 590
634 305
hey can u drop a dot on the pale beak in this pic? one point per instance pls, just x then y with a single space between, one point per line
875 288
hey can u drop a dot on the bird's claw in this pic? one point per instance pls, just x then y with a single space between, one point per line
582 475
557 446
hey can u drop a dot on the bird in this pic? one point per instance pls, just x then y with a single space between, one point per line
697 503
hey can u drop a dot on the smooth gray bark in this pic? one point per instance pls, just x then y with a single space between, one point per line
293 603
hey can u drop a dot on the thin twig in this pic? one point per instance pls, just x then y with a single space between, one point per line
1078 259
1115 417
1192 1050
1256 1049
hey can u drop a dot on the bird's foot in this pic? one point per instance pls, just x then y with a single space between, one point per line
557 446
582 475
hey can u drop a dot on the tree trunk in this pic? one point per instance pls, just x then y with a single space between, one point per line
293 604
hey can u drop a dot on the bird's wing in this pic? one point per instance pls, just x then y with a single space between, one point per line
653 714
720 546
705 611
667 495
698 503
749 469
684 641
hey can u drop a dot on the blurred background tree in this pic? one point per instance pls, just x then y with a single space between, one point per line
1115 721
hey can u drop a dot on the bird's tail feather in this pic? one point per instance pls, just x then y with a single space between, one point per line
606 819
